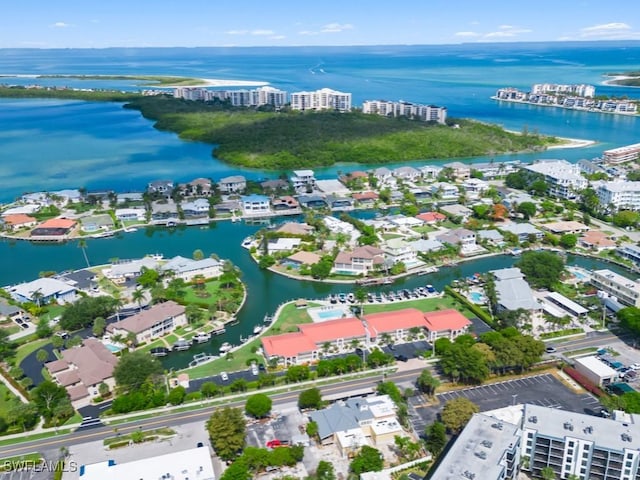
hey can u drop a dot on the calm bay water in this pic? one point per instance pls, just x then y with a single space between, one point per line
50 144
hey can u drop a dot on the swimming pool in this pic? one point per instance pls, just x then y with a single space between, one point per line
476 297
330 314
113 348
578 273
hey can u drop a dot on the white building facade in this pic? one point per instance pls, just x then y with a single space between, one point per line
323 99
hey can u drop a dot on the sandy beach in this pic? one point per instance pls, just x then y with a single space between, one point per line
611 80
572 143
214 82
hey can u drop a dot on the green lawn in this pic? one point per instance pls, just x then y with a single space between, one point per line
423 304
286 322
28 348
424 229
20 462
6 397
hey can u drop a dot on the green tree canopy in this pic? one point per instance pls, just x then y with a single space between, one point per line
135 368
227 431
457 412
310 398
436 434
427 383
368 459
47 396
83 312
528 209
258 405
542 268
568 240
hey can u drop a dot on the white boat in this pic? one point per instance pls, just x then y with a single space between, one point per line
225 347
201 337
130 229
181 345
246 243
257 329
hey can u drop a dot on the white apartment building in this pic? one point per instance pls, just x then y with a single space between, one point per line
564 178
622 154
626 291
323 99
426 113
580 90
238 98
621 195
301 179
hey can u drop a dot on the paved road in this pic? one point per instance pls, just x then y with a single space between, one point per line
172 419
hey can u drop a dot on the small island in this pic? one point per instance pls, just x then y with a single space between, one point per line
624 79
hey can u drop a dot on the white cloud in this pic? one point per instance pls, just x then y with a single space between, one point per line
336 27
467 34
260 32
237 32
61 25
609 31
507 31
307 32
278 37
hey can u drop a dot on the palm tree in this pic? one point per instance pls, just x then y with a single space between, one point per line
82 243
138 296
361 296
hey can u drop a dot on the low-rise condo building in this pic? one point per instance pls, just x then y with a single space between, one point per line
619 195
625 290
563 178
323 99
622 154
159 320
426 113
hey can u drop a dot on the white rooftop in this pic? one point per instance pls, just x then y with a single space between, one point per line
193 464
617 279
46 286
597 366
620 186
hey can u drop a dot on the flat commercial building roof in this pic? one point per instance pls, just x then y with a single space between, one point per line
193 464
597 366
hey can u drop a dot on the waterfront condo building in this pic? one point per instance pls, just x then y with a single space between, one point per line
238 98
627 291
323 99
619 195
426 113
622 154
564 178
580 90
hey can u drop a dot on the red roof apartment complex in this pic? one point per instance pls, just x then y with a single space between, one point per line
307 344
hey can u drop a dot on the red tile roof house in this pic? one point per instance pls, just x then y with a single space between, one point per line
431 217
55 227
365 197
82 369
159 320
19 220
360 261
310 342
443 323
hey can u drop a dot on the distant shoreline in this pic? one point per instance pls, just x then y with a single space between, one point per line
612 81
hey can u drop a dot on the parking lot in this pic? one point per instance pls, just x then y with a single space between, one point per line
544 390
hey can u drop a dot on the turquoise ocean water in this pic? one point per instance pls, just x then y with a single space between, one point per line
49 144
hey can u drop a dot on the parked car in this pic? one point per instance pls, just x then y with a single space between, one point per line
401 358
224 376
635 366
254 369
277 443
550 349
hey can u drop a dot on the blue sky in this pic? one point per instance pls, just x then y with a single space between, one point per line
160 23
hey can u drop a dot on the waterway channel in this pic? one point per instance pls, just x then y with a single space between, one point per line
23 261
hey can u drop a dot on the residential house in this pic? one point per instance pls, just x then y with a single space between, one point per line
124 270
463 237
339 226
131 214
164 212
431 218
522 230
17 221
457 211
196 208
474 187
299 259
27 209
407 173
426 245
198 187
95 223
303 180
560 228
493 237
589 167
274 185
64 197
359 261
161 319
443 191
365 198
332 186
275 245
356 179
232 184
187 269
55 227
513 291
313 201
460 170
129 197
163 187
340 203
81 370
496 169
420 194
399 250
295 228
10 312
43 291
356 422
445 324
430 172
383 175
286 202
256 205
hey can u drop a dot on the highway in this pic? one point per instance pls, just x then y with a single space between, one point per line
340 386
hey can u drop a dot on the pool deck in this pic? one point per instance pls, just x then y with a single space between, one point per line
341 311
